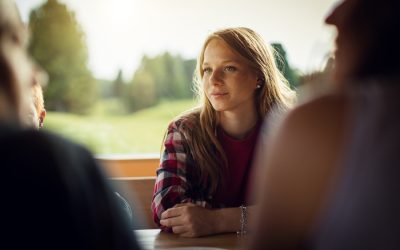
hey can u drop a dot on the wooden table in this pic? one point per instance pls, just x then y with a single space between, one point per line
155 239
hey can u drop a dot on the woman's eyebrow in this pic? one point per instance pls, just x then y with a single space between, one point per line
230 61
223 61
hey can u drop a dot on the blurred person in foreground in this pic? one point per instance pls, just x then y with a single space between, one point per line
204 174
332 173
36 113
53 194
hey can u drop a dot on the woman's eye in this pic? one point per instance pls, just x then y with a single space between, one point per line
230 69
207 70
15 39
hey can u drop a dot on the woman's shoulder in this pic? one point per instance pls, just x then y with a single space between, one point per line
316 122
185 121
322 109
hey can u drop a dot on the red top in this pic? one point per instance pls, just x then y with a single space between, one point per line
233 191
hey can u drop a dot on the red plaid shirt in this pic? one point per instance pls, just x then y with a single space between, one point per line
176 181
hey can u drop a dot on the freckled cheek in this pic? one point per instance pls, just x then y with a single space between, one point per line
206 86
22 69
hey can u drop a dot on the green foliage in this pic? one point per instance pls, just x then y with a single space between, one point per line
58 45
162 77
106 88
111 106
283 65
141 132
142 92
118 85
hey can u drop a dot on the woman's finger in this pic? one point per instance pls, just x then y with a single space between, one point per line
170 213
179 229
171 222
185 204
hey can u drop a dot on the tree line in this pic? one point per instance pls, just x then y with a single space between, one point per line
58 45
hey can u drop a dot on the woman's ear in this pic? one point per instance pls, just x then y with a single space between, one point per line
260 82
42 115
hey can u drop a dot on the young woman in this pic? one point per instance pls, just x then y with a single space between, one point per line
332 172
202 182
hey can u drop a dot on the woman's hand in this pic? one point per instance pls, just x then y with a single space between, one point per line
190 220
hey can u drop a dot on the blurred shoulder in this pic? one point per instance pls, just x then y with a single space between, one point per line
323 111
186 121
52 142
316 125
42 148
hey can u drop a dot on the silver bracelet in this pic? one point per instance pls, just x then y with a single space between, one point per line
243 221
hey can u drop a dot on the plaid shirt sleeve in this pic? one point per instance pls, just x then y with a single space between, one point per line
171 186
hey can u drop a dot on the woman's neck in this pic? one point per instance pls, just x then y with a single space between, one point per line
238 125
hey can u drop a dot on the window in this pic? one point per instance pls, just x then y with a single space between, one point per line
121 70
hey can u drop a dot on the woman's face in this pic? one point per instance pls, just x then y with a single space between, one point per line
229 82
13 47
349 45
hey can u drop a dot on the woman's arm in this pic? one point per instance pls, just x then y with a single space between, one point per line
172 186
190 220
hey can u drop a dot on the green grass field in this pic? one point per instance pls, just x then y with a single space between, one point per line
107 132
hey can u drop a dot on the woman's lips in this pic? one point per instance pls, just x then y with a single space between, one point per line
219 94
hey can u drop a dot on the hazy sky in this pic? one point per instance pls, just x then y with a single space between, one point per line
119 32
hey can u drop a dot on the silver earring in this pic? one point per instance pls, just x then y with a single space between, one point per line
258 86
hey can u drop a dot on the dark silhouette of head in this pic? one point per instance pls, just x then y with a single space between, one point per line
368 40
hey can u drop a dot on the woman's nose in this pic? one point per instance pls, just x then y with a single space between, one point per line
331 18
216 77
338 14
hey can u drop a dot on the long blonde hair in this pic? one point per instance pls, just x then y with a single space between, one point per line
204 147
